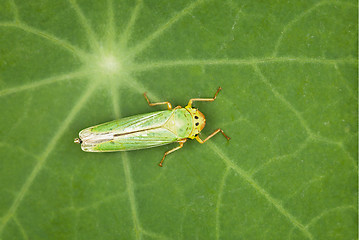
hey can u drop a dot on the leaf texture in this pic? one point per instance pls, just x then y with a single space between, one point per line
289 73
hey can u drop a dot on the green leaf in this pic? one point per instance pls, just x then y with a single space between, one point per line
288 70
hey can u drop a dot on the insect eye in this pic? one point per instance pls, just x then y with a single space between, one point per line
196 117
196 135
197 123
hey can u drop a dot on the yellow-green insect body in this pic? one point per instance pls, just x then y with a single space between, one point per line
141 131
147 130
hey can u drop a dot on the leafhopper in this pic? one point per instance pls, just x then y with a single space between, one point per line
148 130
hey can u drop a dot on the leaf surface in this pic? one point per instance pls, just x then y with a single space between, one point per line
289 103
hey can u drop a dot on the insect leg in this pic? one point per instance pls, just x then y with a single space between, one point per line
214 133
159 103
172 150
203 99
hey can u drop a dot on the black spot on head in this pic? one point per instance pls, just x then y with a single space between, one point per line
196 117
197 123
196 135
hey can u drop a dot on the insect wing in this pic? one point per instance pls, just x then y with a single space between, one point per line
137 140
133 123
136 132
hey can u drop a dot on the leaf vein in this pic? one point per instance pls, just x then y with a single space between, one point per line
246 176
128 177
22 230
298 18
281 157
15 10
219 200
86 25
60 42
131 196
328 211
147 66
145 43
126 36
43 157
46 81
111 32
283 100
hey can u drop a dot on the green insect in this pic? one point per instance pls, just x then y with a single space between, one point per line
148 130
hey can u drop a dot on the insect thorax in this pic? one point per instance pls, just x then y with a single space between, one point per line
180 123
